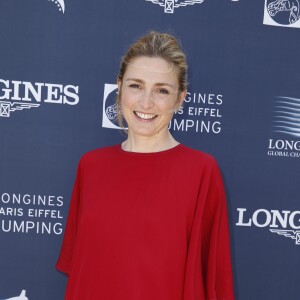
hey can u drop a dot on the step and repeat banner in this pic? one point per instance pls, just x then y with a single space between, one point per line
58 65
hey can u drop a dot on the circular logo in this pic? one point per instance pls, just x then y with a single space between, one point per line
285 12
111 107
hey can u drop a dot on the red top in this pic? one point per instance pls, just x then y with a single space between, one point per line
147 226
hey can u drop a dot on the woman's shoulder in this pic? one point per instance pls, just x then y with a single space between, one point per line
199 161
99 154
197 155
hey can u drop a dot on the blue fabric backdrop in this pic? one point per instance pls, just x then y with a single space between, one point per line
58 66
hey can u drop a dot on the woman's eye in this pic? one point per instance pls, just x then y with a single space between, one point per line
135 86
163 91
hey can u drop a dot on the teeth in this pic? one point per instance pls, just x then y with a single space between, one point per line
145 116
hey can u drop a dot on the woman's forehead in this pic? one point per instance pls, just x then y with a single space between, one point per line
151 66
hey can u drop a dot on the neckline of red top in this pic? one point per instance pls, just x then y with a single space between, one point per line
149 153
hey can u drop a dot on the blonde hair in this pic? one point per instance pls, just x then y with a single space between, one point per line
155 44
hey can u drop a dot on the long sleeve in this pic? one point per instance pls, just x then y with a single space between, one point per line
215 254
208 270
66 253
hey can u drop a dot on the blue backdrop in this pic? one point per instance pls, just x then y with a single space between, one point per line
58 65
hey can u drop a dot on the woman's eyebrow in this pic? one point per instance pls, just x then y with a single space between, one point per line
135 79
164 84
156 84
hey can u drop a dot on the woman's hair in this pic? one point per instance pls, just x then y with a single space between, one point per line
162 45
158 45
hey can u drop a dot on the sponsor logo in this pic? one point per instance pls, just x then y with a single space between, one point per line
287 116
60 5
170 5
201 113
285 123
22 296
284 13
31 214
109 111
19 95
285 223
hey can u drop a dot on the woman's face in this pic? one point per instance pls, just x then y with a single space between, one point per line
149 96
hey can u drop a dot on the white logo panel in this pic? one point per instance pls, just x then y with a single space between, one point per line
284 13
109 109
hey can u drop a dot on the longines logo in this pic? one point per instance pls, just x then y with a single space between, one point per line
170 5
31 214
285 13
285 123
22 296
201 113
285 223
19 95
60 5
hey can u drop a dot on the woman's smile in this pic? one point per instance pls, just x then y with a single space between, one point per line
145 116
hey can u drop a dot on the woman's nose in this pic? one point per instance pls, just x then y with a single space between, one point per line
146 100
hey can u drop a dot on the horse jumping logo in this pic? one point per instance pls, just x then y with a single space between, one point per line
282 13
110 109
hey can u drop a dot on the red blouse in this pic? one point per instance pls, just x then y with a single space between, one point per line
147 226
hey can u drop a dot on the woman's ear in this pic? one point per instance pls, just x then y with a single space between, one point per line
181 98
119 83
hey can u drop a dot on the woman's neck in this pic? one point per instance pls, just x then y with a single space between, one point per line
149 144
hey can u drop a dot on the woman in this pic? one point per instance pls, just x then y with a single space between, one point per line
148 218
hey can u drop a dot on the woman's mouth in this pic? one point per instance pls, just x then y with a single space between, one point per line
144 116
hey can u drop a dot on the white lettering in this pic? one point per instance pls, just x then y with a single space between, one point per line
31 227
273 218
284 145
53 96
6 91
241 218
73 95
292 219
16 95
266 219
37 94
277 216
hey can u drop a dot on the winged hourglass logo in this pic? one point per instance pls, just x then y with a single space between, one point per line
293 234
7 107
170 5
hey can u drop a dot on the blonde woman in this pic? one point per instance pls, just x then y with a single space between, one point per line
148 217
